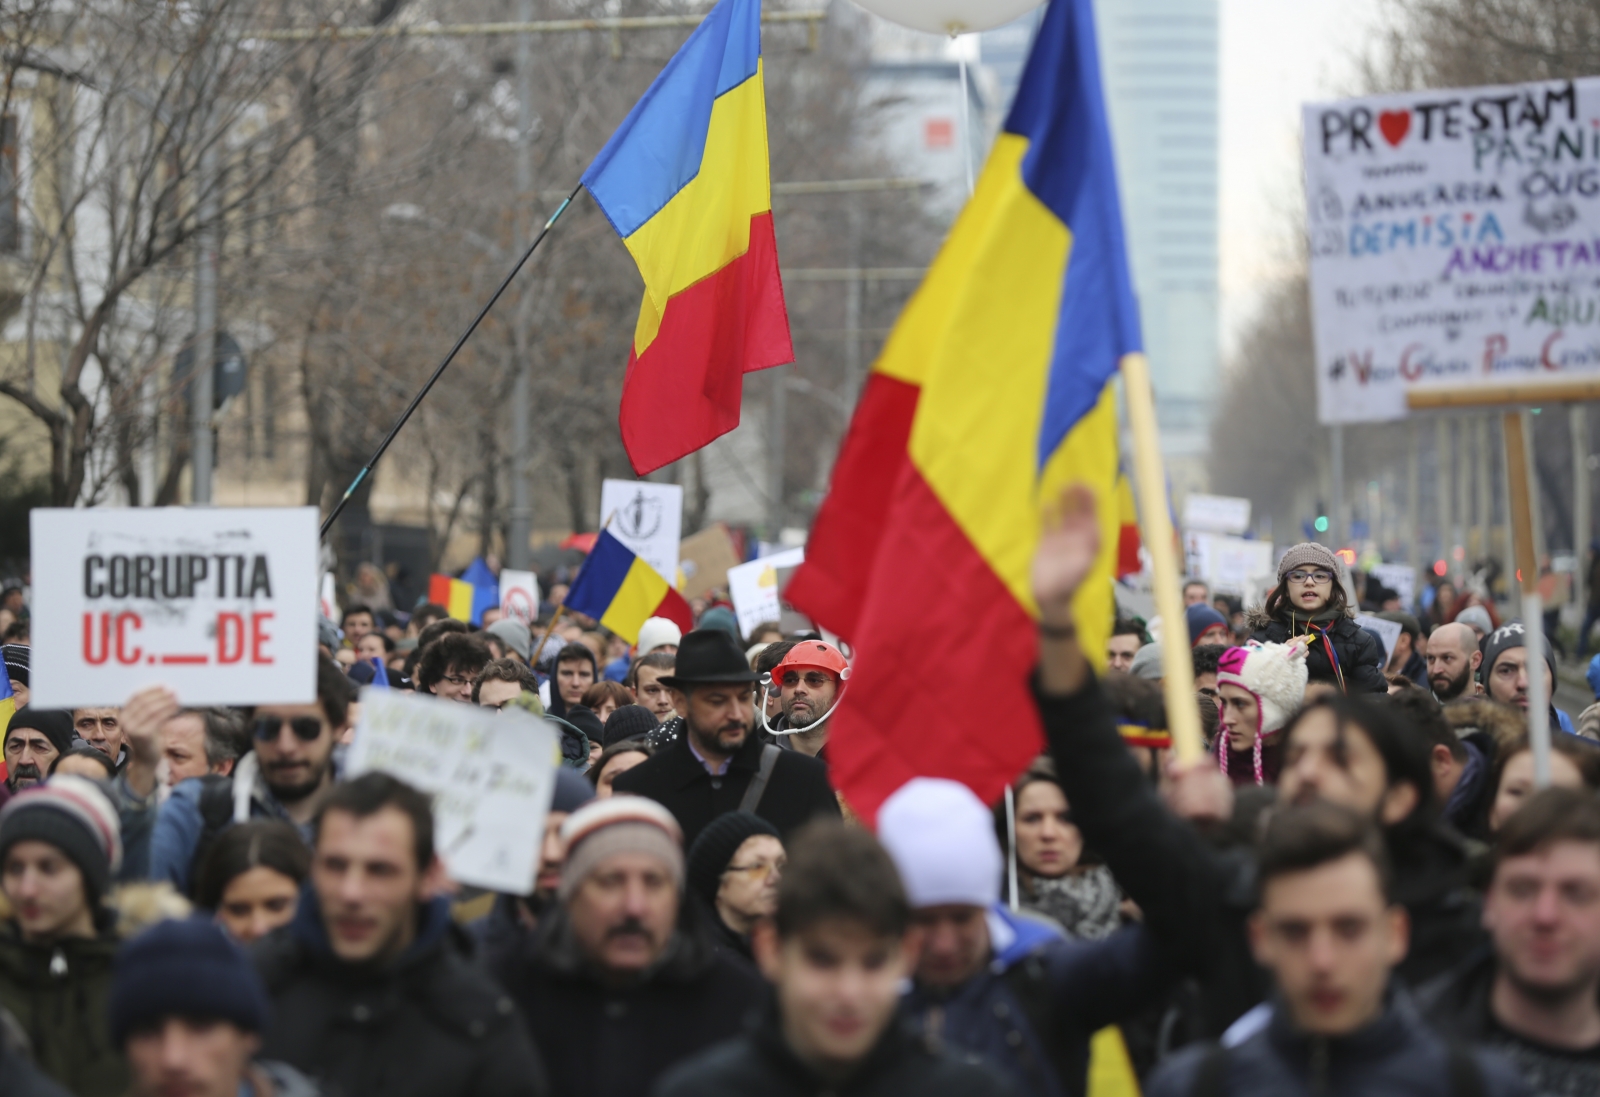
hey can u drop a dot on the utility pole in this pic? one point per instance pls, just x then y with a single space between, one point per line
520 528
205 325
777 415
1336 528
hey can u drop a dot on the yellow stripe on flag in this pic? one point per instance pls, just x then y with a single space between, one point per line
460 604
636 599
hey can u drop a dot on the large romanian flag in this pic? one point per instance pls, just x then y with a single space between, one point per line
621 591
685 183
992 393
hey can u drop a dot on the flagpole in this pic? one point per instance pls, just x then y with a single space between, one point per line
1177 664
366 470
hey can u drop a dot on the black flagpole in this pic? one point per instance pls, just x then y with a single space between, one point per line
366 470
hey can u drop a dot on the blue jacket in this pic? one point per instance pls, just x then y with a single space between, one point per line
1395 1054
1031 1012
179 824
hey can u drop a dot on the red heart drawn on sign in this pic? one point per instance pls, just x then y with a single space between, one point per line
1394 124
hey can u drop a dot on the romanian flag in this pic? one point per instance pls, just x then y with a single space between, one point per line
992 393
8 709
685 183
1128 542
621 591
455 595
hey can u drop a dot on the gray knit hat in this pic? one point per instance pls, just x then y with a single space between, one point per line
1308 554
72 814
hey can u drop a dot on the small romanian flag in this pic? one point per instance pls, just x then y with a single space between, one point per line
8 709
621 591
455 595
1128 542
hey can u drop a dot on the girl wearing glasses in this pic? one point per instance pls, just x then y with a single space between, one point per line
1309 601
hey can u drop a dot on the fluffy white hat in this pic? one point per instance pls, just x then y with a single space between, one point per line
655 632
943 842
1274 674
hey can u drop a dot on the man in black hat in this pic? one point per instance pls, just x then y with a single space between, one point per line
719 764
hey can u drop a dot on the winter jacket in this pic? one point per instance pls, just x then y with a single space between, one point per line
601 1039
136 815
797 792
182 823
1360 654
428 1024
59 993
1030 1012
1395 1054
1457 1006
901 1064
20 1078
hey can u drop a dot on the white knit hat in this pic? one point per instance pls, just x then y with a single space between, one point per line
655 632
943 842
621 824
1274 674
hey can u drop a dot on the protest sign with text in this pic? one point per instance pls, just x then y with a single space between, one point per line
218 604
648 518
755 588
1454 239
491 775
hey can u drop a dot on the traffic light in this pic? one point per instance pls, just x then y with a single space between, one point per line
1321 523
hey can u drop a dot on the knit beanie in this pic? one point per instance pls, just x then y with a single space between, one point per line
1502 640
721 617
572 791
73 815
514 634
186 968
1275 675
16 656
942 840
628 722
54 724
1476 617
1200 617
714 849
657 632
1308 554
1147 663
620 824
584 719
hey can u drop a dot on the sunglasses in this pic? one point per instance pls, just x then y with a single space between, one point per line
305 728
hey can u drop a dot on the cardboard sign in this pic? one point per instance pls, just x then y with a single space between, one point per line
1216 514
648 518
704 560
1453 241
491 775
1388 631
1400 578
220 605
519 595
754 588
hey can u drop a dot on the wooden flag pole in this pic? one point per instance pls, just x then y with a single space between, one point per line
1519 476
1155 521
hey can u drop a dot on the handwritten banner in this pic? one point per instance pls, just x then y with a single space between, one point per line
1454 240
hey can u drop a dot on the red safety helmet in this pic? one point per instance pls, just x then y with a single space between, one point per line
812 654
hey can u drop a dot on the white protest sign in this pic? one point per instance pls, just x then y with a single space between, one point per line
1400 578
648 518
1454 239
519 595
1231 564
491 775
220 605
1388 632
1216 514
754 587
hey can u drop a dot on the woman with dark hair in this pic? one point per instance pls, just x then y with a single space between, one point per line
1054 878
616 759
1574 763
251 876
1309 601
604 698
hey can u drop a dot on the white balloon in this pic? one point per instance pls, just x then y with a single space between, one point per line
949 16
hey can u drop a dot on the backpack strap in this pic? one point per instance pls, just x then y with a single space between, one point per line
1466 1077
758 783
1209 1075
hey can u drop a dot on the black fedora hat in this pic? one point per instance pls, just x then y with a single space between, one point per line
706 656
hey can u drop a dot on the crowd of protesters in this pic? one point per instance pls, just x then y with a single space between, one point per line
1360 888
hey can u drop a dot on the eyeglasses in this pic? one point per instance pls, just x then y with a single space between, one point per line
760 870
305 728
1316 577
458 680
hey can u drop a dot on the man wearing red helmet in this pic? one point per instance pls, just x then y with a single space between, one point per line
808 680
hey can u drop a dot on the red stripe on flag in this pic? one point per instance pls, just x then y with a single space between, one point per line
675 609
940 687
1128 552
685 390
831 586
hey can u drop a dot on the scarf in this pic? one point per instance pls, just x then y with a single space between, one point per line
1087 903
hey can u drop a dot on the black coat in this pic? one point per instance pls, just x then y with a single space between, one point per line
604 1040
1360 655
760 1064
1395 1054
798 791
430 1024
20 1078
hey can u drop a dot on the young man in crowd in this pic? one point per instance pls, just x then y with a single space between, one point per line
1206 660
837 951
358 622
60 847
1196 592
646 675
374 988
449 666
1504 672
575 670
809 679
1453 660
1535 997
285 777
1329 930
1127 637
708 770
187 1010
629 981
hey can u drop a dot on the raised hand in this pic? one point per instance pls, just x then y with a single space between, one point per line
143 717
